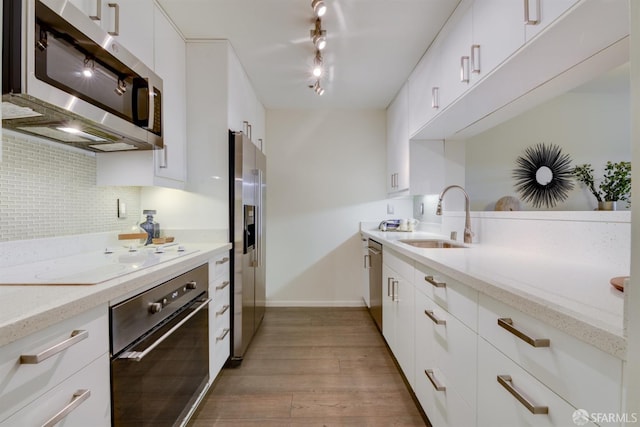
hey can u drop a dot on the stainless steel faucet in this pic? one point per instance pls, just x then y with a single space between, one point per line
468 234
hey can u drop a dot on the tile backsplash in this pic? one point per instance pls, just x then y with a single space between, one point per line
47 190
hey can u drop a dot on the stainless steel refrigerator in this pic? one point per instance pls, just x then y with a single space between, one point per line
247 200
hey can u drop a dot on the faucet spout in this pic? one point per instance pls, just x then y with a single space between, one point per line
468 234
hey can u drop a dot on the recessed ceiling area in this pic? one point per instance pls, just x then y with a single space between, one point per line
372 45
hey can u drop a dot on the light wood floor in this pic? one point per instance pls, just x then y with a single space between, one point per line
312 367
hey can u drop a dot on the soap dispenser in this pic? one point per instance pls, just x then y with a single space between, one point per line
149 226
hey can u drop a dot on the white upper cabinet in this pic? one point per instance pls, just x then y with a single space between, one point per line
130 21
498 31
246 112
424 90
166 167
455 55
398 142
540 13
170 65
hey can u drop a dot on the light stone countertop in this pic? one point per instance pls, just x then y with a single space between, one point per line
574 297
25 309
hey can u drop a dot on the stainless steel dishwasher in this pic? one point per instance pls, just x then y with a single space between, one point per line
375 281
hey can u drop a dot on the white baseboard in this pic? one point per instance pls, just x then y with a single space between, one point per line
286 303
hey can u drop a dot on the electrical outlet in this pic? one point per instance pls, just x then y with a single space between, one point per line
122 209
390 209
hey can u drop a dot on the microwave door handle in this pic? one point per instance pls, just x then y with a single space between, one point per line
152 106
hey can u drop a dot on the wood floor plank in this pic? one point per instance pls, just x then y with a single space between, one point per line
307 367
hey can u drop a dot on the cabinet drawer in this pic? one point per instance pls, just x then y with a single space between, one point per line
444 408
500 408
585 376
93 411
221 346
219 266
449 347
399 263
458 299
23 382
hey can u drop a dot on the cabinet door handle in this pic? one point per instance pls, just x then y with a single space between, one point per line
464 69
394 290
439 387
434 282
475 58
222 285
223 310
164 157
98 15
222 261
433 317
389 279
435 97
527 14
116 19
225 332
34 359
507 323
78 397
506 382
367 265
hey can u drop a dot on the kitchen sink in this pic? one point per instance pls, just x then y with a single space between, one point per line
432 243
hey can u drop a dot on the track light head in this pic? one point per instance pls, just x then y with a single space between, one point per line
319 7
317 65
319 36
88 67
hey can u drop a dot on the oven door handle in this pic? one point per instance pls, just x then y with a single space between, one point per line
137 356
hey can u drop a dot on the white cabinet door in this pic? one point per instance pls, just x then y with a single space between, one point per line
166 167
424 87
404 295
498 31
398 142
129 21
503 403
455 55
170 65
388 306
89 387
541 13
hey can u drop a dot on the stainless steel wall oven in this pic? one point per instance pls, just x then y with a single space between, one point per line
160 352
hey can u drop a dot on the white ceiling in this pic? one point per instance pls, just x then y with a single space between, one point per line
372 45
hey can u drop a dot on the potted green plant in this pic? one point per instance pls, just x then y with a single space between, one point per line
614 187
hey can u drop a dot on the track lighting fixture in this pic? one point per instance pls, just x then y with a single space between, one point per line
121 87
319 36
88 67
319 39
317 65
319 8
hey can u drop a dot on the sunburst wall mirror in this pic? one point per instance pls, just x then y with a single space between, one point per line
543 175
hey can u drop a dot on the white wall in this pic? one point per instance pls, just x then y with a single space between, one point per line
326 172
590 127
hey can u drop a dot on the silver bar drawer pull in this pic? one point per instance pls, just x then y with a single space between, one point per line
78 397
222 261
225 332
507 323
222 285
223 310
434 382
116 19
434 282
98 15
528 20
33 359
506 382
432 316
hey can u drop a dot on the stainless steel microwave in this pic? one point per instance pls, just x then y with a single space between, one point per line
66 79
